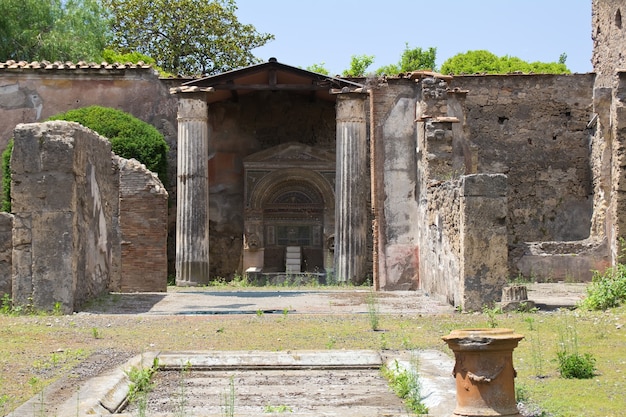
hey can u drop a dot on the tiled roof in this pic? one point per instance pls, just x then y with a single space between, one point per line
46 65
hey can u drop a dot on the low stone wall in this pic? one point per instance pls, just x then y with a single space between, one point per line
563 261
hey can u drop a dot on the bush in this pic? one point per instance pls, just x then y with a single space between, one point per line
481 61
606 290
576 365
129 136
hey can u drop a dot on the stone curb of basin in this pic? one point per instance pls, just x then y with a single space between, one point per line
106 395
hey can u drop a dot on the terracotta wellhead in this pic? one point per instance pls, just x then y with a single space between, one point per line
484 373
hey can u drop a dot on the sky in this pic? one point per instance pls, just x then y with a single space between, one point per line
330 32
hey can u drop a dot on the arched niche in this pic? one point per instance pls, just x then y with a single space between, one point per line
290 202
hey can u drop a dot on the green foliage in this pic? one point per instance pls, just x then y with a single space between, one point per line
228 399
412 60
109 55
54 30
405 383
185 37
481 61
373 310
492 313
318 68
358 65
607 290
277 409
6 177
576 365
129 136
571 363
140 380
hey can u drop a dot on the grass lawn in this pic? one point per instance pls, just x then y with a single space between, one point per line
36 350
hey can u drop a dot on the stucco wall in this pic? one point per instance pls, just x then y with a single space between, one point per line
395 204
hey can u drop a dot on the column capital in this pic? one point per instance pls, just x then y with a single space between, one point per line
190 90
193 107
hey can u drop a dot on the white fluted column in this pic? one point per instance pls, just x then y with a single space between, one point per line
192 213
351 188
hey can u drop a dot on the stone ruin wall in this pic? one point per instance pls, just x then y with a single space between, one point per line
534 129
66 241
609 62
462 215
64 194
608 32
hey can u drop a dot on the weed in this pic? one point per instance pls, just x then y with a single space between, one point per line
228 400
57 310
576 365
277 409
373 311
531 322
36 385
491 313
7 308
383 342
259 313
571 363
606 290
520 279
537 355
140 385
331 342
405 383
96 333
182 390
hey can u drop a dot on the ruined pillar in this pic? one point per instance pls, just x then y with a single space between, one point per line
192 215
351 188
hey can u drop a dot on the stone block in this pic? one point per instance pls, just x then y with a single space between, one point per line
484 185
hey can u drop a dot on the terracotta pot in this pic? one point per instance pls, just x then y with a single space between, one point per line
484 373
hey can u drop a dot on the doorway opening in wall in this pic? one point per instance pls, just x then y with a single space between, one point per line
293 222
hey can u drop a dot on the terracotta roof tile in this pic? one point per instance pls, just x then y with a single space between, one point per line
47 65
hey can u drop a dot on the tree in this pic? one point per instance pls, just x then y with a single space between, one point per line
52 30
185 37
358 65
318 68
481 61
412 60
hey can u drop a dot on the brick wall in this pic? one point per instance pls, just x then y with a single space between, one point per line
143 228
